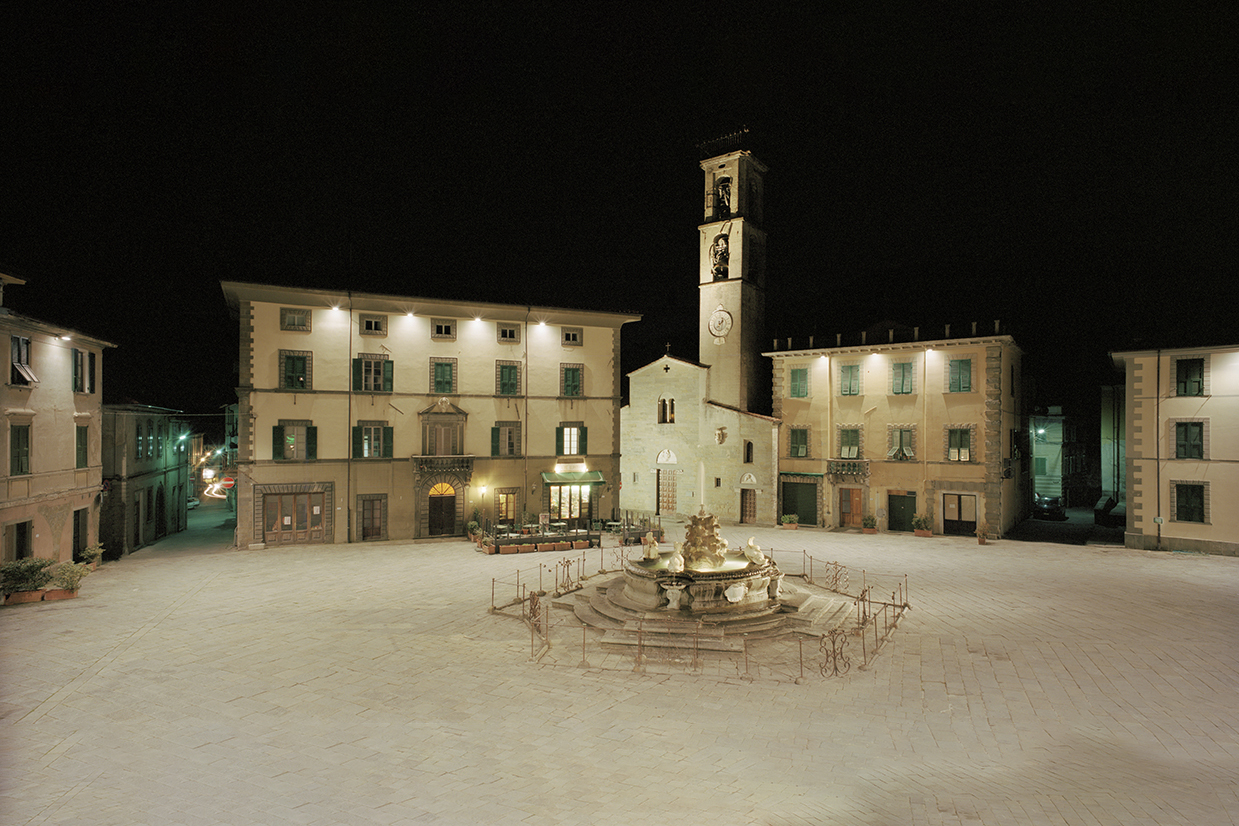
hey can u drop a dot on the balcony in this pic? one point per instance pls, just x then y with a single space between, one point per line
851 468
444 464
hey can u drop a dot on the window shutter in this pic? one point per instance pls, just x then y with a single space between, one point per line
90 372
388 437
77 370
389 371
359 447
584 446
357 385
559 441
311 443
494 441
277 442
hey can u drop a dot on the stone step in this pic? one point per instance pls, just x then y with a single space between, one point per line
680 628
586 614
825 614
627 641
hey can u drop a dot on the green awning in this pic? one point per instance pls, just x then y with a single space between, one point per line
586 477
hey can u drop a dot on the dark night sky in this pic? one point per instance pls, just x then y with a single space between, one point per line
1073 174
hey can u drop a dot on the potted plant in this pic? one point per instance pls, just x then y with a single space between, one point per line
921 525
22 580
869 524
982 532
791 521
89 556
66 578
473 529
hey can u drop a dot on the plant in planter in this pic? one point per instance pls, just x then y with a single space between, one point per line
473 529
89 555
790 520
922 525
66 579
869 524
22 580
982 532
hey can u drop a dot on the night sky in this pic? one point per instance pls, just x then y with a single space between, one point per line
1073 174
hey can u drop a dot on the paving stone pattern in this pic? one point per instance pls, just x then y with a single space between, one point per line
1031 683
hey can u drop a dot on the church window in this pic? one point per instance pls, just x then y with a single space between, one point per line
666 411
748 452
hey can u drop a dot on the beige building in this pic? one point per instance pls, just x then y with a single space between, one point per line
50 498
1181 447
691 439
145 476
371 417
895 429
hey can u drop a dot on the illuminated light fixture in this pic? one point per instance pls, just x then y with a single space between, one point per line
483 489
66 338
541 323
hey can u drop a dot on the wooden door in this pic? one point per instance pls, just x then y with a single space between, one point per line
666 492
850 515
748 506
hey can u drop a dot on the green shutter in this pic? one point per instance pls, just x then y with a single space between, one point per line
389 371
359 447
389 434
357 381
960 377
277 442
494 441
311 443
559 441
584 446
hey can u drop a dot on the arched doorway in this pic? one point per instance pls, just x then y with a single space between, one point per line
161 514
441 519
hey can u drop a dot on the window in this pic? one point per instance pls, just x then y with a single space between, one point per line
295 370
799 437
295 318
572 336
506 333
83 371
372 325
505 505
666 411
159 440
505 439
83 436
295 441
150 439
849 443
570 502
901 378
1189 440
959 376
19 449
959 442
507 378
442 376
1189 501
1189 377
372 373
443 329
570 440
748 452
849 380
902 443
571 379
21 373
799 383
718 483
137 441
372 440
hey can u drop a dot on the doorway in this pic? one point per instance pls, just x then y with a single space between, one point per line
800 498
666 492
748 506
959 514
850 514
901 507
441 519
293 518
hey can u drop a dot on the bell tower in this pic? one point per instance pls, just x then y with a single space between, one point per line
732 278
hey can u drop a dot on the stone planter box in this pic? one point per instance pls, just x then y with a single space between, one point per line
526 549
19 597
869 530
580 544
509 549
791 526
922 532
59 593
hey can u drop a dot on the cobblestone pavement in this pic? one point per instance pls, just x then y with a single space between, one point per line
1031 683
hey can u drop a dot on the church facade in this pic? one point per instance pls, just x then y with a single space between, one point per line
690 436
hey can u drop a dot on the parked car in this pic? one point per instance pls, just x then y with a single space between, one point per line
1048 507
192 503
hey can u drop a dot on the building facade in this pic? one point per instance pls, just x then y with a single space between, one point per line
370 417
50 499
895 429
1181 448
691 439
146 476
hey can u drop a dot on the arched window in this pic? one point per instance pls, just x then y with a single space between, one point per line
150 438
137 441
666 411
748 452
159 442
